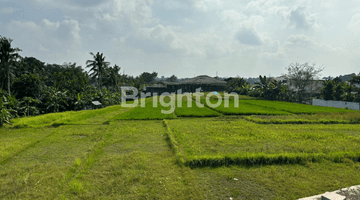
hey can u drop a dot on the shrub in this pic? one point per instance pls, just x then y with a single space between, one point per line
5 115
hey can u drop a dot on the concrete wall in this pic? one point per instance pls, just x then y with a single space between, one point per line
336 104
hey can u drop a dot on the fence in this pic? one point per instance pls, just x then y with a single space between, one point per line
336 104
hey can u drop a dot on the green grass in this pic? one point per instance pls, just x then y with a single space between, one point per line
242 108
41 170
295 107
194 110
14 141
222 94
71 117
134 163
213 142
278 182
319 118
148 111
95 156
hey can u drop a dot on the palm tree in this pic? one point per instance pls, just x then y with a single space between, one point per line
98 66
7 56
115 76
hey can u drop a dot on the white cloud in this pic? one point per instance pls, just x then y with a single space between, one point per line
205 5
354 24
300 40
41 48
301 19
195 36
47 38
188 21
248 36
7 10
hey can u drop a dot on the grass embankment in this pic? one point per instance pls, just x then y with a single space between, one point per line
318 118
210 142
295 107
70 117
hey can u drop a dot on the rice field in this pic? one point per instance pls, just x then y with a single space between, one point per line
189 108
318 118
242 142
146 110
241 108
296 108
261 150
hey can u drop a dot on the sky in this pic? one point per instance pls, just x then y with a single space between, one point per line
188 38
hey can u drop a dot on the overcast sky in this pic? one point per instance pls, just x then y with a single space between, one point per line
189 37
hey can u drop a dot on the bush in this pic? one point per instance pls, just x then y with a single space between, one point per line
5 115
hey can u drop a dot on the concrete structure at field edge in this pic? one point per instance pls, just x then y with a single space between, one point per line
206 83
336 104
352 191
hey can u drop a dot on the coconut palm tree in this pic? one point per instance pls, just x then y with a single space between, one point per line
7 56
97 66
114 76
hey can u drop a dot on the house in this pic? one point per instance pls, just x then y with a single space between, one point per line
206 83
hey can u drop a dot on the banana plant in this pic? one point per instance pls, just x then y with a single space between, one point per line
57 101
27 108
5 115
82 101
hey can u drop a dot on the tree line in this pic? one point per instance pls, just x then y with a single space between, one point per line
300 85
30 87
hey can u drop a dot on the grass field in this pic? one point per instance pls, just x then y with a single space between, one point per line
71 117
97 155
222 94
318 118
194 110
295 107
242 108
148 111
242 142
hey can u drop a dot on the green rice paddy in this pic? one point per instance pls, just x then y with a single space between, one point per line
295 107
261 150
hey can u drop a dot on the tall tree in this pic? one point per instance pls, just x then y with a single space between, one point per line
97 66
8 55
149 78
302 77
339 90
172 78
328 89
356 81
114 77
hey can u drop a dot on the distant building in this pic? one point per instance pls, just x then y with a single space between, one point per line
206 83
314 87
